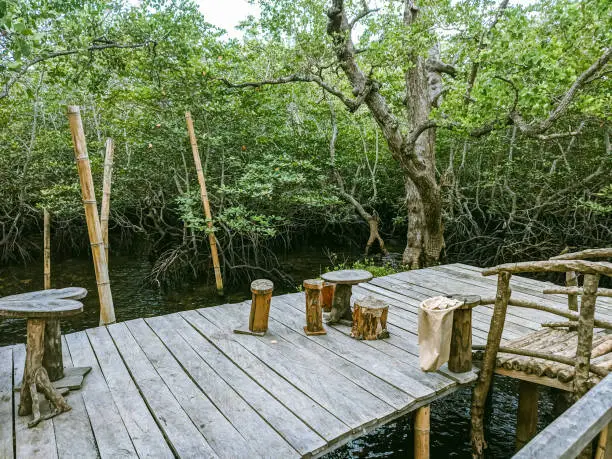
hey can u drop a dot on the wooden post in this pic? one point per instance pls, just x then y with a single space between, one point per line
421 432
314 313
370 319
485 376
53 360
328 295
460 358
107 310
585 335
106 192
204 195
527 418
260 305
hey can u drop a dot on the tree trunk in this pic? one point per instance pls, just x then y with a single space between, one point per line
425 238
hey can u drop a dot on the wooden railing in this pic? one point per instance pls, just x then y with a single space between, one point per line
571 432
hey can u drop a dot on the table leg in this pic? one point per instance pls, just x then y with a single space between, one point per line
341 306
53 360
35 377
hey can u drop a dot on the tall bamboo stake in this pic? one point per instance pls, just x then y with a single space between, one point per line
47 249
107 311
106 192
204 195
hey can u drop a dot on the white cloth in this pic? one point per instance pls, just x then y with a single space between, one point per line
435 330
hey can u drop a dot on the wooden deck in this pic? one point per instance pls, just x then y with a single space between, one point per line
183 384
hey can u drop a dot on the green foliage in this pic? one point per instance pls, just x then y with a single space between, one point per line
376 268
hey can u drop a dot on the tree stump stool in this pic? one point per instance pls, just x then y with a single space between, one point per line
328 296
260 308
314 313
370 319
460 357
43 351
344 281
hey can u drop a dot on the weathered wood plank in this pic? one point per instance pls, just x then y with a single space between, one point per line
220 434
73 434
255 430
183 436
314 414
303 438
39 441
111 435
367 357
6 403
343 403
567 436
146 436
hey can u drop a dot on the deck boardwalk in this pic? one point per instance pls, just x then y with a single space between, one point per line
184 385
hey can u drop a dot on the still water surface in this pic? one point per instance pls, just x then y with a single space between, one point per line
450 416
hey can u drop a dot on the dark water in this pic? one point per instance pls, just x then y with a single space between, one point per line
450 417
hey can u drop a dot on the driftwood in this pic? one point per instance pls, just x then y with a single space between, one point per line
370 319
485 376
107 310
204 196
587 267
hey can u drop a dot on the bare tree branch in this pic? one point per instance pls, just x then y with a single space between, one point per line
98 47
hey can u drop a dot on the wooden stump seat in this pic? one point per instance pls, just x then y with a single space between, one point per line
260 308
370 319
344 281
43 310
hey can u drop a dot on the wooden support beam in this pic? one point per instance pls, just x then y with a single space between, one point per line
460 358
314 312
485 376
204 196
421 432
106 192
585 335
107 309
527 417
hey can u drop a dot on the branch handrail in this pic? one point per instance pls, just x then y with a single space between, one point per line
585 254
583 266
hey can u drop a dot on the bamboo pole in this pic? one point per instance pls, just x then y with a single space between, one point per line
421 432
204 195
106 192
107 311
47 248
